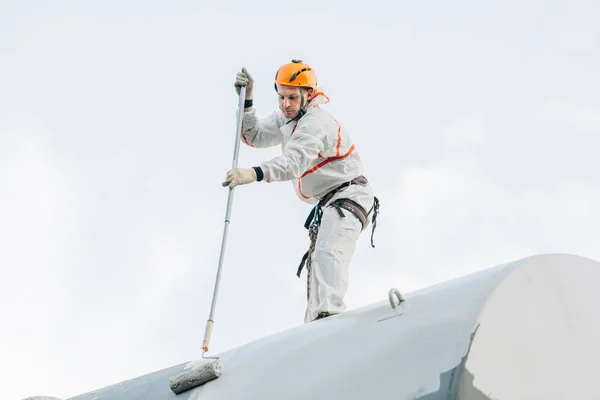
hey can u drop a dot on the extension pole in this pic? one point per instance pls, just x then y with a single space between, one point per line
236 150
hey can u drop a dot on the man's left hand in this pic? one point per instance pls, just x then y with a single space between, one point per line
239 176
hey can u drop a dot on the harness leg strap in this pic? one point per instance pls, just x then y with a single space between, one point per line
314 217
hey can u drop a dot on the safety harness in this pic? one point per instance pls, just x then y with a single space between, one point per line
313 221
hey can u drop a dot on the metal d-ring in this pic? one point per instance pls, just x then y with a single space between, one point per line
395 292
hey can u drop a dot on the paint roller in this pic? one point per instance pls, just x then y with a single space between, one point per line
209 371
195 377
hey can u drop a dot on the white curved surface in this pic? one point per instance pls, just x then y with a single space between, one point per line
538 334
513 326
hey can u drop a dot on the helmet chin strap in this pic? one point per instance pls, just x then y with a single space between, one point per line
302 109
303 105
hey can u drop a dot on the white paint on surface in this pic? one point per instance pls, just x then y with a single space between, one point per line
538 332
535 337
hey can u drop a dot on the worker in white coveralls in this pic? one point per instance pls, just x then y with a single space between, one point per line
322 162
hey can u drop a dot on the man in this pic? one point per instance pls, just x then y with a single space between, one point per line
321 161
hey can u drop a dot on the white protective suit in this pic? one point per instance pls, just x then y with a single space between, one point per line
318 155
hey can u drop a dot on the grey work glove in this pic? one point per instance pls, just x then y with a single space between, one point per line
243 78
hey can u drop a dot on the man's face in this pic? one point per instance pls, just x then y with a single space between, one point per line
290 100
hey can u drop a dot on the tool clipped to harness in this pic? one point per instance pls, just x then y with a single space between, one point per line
312 224
314 217
375 210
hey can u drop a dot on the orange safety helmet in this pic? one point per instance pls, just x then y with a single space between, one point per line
296 73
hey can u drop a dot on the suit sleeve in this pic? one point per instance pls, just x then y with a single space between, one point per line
261 132
300 152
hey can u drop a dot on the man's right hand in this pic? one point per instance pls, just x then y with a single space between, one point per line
244 79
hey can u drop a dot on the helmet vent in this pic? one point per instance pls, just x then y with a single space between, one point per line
295 74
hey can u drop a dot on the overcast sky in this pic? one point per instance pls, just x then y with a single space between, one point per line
478 125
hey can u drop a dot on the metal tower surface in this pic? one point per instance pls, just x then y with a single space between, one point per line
527 329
